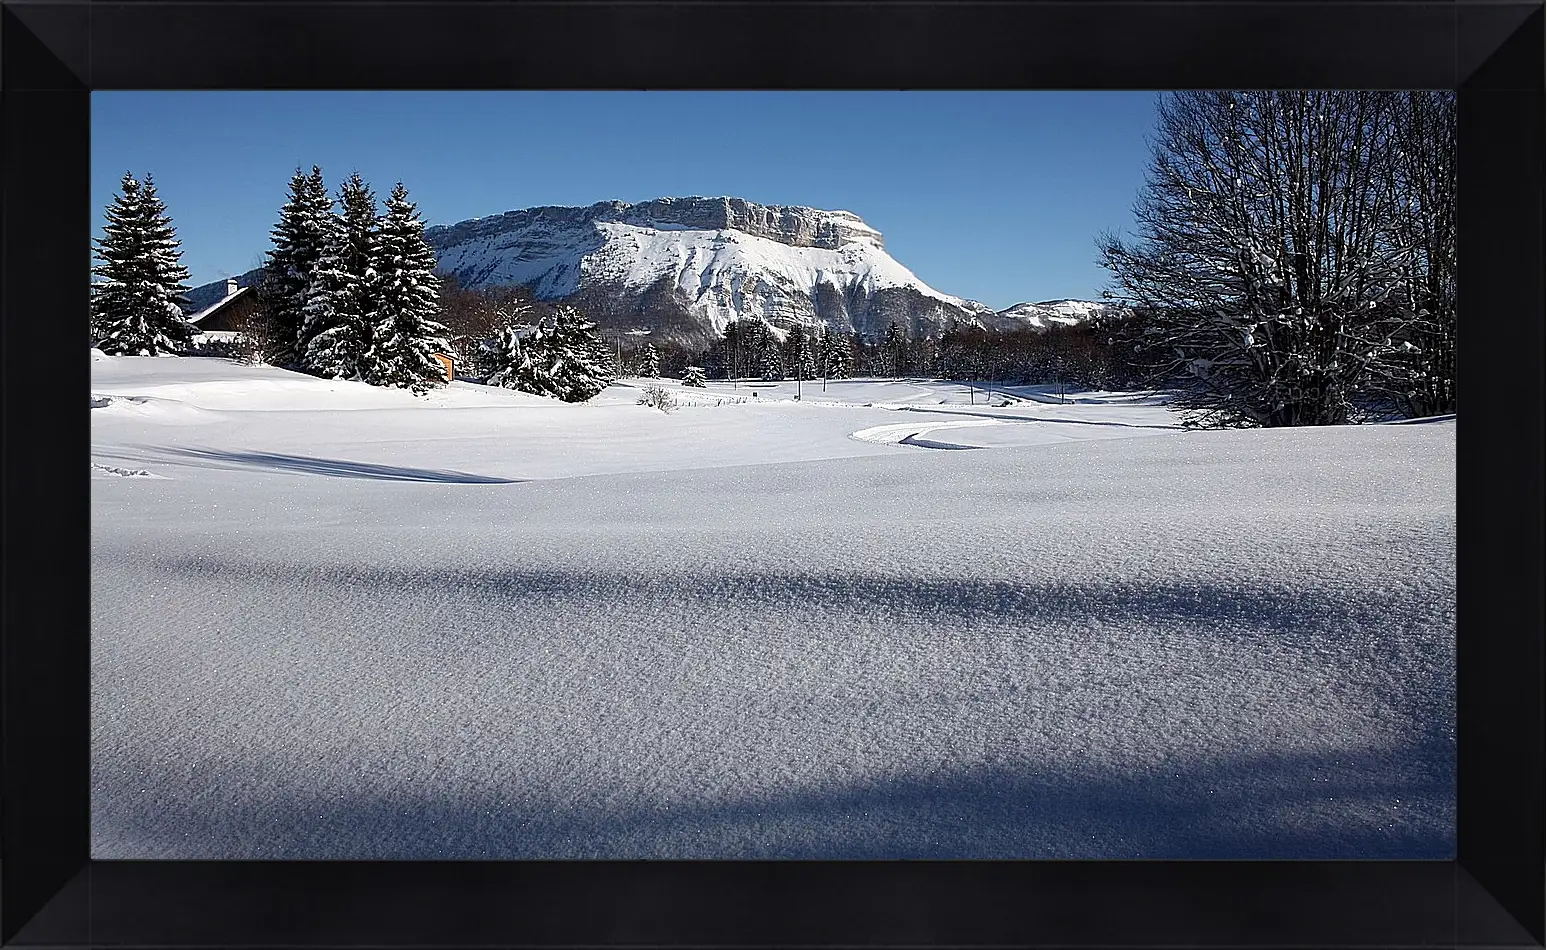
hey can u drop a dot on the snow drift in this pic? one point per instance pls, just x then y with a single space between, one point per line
598 632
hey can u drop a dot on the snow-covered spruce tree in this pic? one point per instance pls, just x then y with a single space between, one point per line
770 358
1265 267
340 310
574 357
139 274
892 348
797 354
837 355
515 361
648 363
306 228
405 335
694 376
738 347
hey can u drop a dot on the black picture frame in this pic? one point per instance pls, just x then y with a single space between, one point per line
52 54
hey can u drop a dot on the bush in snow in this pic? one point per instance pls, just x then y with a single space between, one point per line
566 359
656 398
140 272
238 347
512 361
693 377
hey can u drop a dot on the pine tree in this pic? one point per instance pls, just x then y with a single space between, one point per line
340 309
306 228
770 357
836 355
892 350
797 354
649 363
693 377
579 359
514 363
133 312
405 336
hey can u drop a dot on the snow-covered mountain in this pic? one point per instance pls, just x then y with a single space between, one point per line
682 268
1052 312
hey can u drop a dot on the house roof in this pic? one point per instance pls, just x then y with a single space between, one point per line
215 307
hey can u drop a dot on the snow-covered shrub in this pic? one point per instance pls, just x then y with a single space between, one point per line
693 377
656 398
239 348
566 360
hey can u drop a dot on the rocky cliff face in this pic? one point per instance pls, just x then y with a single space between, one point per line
682 268
795 227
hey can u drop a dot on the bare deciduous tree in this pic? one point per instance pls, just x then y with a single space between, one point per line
1273 269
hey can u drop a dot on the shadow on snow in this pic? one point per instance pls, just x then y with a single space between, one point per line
336 468
1301 805
1348 800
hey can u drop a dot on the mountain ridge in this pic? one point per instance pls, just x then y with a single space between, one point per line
683 267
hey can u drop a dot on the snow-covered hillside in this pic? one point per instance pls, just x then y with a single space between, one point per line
884 621
1053 312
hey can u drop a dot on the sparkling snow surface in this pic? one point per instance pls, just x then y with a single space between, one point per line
331 621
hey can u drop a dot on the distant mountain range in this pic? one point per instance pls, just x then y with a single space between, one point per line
681 268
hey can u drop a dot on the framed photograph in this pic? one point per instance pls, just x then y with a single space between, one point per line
677 474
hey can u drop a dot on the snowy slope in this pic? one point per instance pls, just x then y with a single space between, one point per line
526 629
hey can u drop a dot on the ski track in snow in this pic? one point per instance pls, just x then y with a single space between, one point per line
353 625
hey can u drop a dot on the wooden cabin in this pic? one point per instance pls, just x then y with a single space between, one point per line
229 314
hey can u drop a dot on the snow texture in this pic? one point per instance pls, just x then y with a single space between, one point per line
349 623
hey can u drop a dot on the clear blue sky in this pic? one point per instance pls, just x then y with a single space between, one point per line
995 196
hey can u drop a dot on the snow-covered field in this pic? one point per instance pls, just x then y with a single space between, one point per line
332 621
